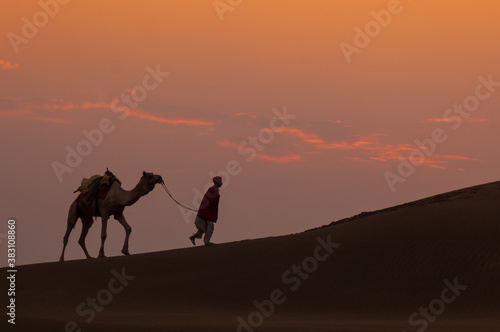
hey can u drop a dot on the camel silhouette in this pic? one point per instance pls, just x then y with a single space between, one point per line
112 205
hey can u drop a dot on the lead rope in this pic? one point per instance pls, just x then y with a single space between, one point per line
172 197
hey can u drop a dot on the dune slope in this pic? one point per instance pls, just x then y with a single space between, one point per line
368 273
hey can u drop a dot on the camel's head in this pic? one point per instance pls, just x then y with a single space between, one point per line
150 180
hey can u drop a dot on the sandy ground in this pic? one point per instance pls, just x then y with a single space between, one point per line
436 259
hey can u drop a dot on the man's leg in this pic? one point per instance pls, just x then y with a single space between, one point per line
209 231
201 224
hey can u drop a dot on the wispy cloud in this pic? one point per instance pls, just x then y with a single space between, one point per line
284 159
471 120
370 148
434 166
453 157
302 140
7 65
14 114
141 114
172 121
227 144
27 114
369 143
17 107
289 158
62 106
35 109
306 137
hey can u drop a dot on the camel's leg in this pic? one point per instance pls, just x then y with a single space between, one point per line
121 219
87 223
72 219
103 234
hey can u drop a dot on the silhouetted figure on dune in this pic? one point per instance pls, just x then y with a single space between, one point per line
207 213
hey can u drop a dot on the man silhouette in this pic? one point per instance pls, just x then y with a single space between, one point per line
207 213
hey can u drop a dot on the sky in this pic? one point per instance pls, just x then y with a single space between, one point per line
310 111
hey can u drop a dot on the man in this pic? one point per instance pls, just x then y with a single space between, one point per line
207 213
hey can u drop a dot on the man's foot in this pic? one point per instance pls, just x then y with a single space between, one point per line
209 243
192 240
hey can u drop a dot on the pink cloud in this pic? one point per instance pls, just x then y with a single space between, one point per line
284 159
369 148
174 121
28 114
306 137
13 114
53 105
7 65
471 120
434 166
453 157
336 146
71 106
377 151
227 144
370 142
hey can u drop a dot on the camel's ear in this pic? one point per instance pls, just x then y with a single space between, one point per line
143 173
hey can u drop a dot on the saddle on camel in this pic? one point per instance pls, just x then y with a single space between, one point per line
96 188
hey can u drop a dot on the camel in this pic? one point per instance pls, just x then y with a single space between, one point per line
113 205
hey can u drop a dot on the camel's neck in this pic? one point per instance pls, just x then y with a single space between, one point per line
129 197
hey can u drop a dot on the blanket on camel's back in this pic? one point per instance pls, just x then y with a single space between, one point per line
96 186
84 186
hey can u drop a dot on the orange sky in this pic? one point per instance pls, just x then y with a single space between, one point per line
219 82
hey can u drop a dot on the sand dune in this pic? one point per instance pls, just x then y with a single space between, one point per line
370 272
